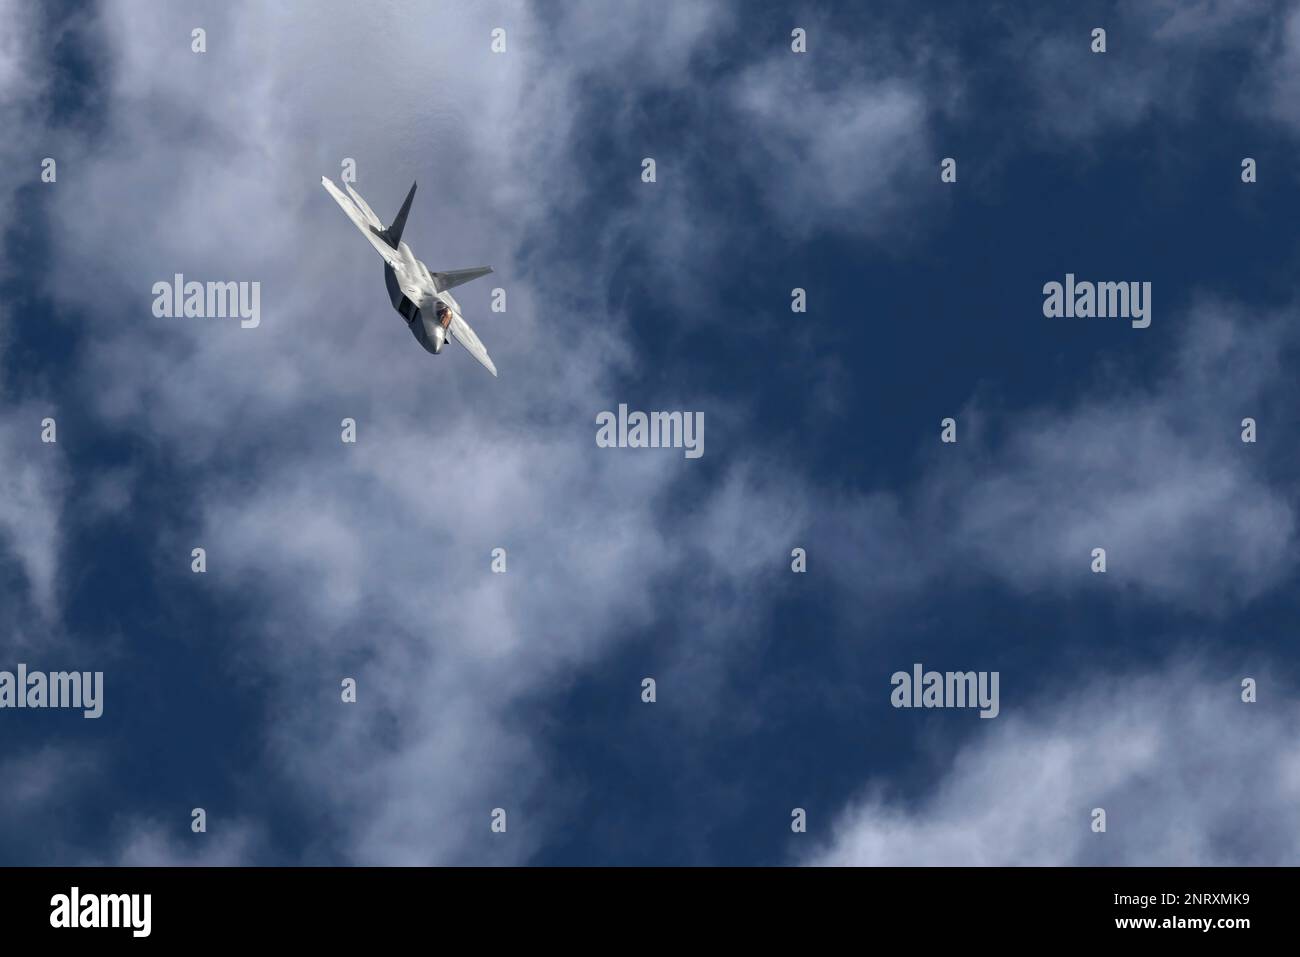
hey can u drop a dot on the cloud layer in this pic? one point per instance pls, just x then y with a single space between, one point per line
372 561
1187 774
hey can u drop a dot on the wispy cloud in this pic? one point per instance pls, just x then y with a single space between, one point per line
1155 473
1186 772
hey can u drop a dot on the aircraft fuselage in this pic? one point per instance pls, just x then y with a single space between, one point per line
427 313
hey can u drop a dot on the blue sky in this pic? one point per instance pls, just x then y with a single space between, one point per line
522 691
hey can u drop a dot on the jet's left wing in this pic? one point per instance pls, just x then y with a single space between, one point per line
465 336
364 207
362 221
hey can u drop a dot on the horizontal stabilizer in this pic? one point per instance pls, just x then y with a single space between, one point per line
463 334
455 277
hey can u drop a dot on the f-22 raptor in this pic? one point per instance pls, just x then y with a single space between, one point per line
419 296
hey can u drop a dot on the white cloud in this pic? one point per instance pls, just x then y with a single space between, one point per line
379 568
153 843
1277 71
826 145
373 561
1187 774
1158 476
1155 473
1160 57
19 86
33 479
42 803
39 778
32 485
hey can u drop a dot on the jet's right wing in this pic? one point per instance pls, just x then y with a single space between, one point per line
362 219
465 336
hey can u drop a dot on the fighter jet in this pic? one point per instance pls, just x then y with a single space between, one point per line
419 296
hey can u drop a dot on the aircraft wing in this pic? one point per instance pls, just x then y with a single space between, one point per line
465 336
362 221
363 206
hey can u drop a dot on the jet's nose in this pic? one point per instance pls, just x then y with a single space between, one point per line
428 334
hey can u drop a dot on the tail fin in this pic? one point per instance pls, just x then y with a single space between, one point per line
393 234
443 281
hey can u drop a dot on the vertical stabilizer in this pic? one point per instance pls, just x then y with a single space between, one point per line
393 234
